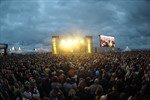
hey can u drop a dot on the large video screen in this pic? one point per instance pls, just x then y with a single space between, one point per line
3 46
107 41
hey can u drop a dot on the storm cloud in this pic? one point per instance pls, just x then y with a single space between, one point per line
32 22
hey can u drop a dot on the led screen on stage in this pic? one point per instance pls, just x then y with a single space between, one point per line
107 41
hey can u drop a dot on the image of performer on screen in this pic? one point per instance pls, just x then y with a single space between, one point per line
107 42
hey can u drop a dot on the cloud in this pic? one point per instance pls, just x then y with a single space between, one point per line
35 21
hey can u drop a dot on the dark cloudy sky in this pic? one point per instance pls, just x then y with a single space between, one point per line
33 22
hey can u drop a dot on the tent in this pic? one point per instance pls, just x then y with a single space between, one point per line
127 49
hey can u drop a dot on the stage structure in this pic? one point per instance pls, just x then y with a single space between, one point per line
71 45
4 47
89 44
55 44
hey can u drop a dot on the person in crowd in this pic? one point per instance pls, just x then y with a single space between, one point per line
67 86
56 94
102 76
55 83
96 87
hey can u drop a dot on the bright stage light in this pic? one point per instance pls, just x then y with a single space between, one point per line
69 42
63 42
72 44
76 41
81 41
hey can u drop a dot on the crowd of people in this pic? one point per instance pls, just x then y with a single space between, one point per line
97 76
